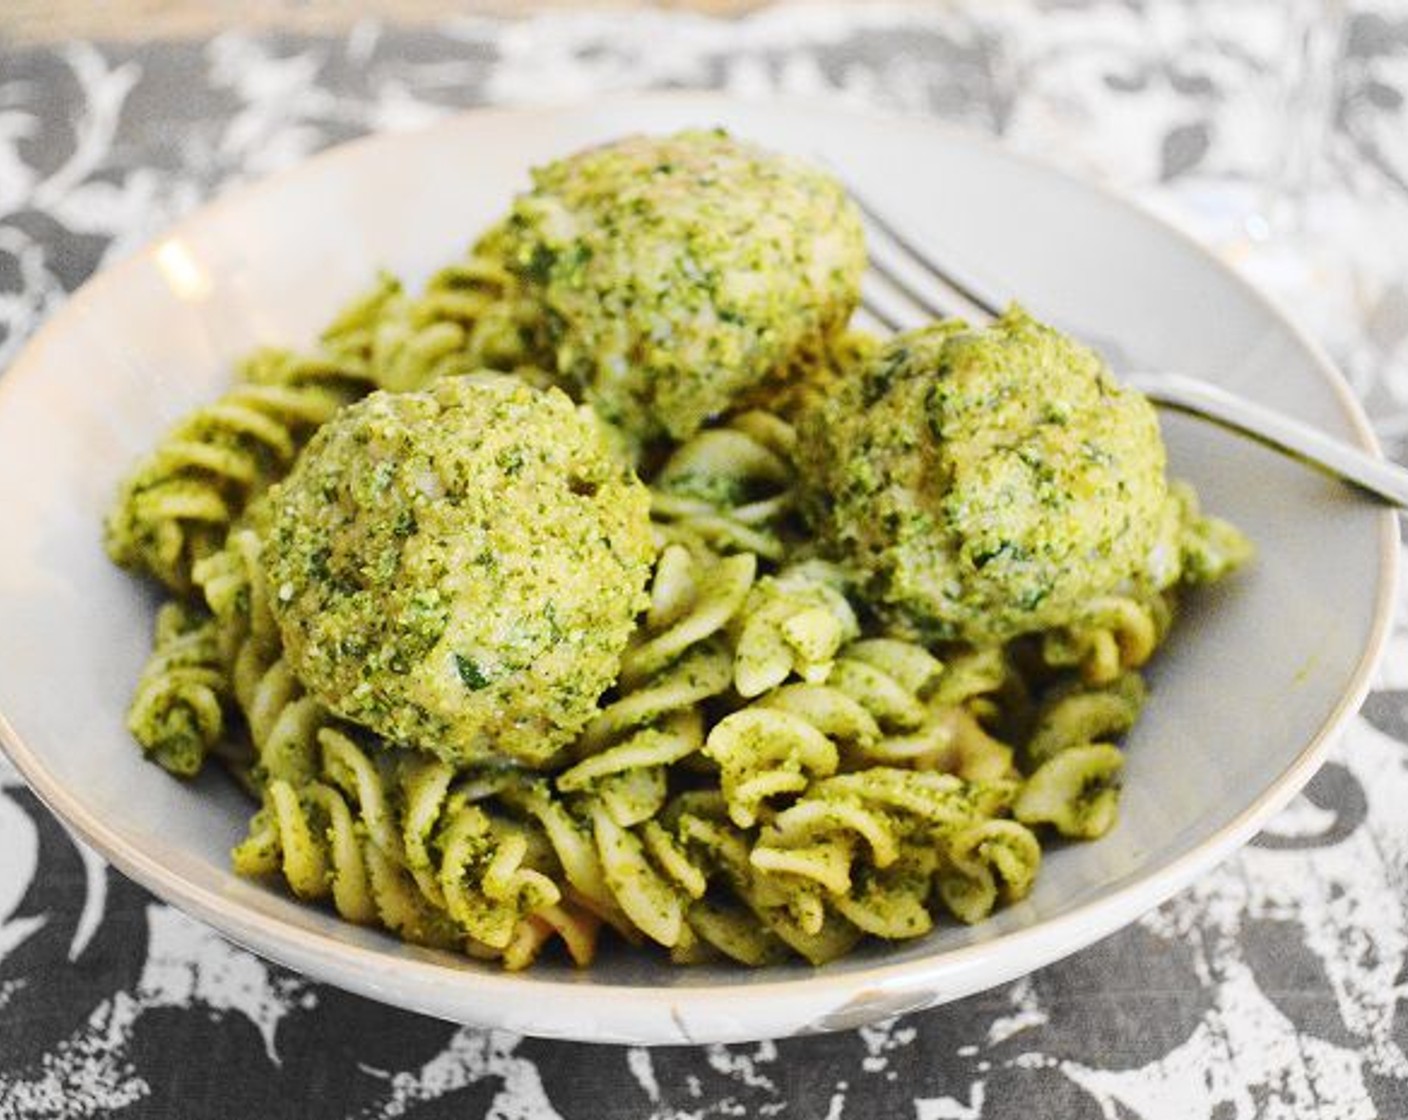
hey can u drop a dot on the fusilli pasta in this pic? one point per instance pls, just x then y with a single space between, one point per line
774 772
177 713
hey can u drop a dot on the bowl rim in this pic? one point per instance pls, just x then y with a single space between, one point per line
459 994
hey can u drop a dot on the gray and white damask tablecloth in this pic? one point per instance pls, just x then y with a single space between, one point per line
1272 988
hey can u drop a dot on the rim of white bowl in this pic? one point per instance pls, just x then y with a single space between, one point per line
471 996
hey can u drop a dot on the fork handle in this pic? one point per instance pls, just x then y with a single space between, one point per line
1368 472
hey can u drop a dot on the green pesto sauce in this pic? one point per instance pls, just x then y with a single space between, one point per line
678 273
987 483
459 569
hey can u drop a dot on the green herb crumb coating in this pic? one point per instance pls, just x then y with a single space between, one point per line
679 273
459 569
987 483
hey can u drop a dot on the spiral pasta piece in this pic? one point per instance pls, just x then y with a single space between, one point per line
310 836
679 734
951 740
654 905
878 841
995 860
1075 791
793 623
908 664
937 802
700 674
487 887
984 681
177 713
764 753
921 709
895 707
402 908
1080 715
470 316
679 658
475 867
627 870
719 594
234 590
734 931
843 720
731 485
506 327
1116 633
891 902
574 847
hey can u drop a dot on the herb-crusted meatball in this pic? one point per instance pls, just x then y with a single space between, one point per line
987 483
677 273
459 569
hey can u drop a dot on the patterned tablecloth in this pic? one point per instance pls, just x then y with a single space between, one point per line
1269 989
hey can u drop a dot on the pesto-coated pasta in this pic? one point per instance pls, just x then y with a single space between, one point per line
179 502
789 736
178 710
731 487
393 841
178 505
283 721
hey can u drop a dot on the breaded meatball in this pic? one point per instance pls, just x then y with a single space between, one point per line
986 483
459 569
678 273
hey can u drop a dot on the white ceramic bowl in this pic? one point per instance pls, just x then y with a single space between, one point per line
1258 677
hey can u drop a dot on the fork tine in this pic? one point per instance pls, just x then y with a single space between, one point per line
871 323
911 281
919 273
891 308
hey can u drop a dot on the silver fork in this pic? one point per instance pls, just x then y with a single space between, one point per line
908 286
